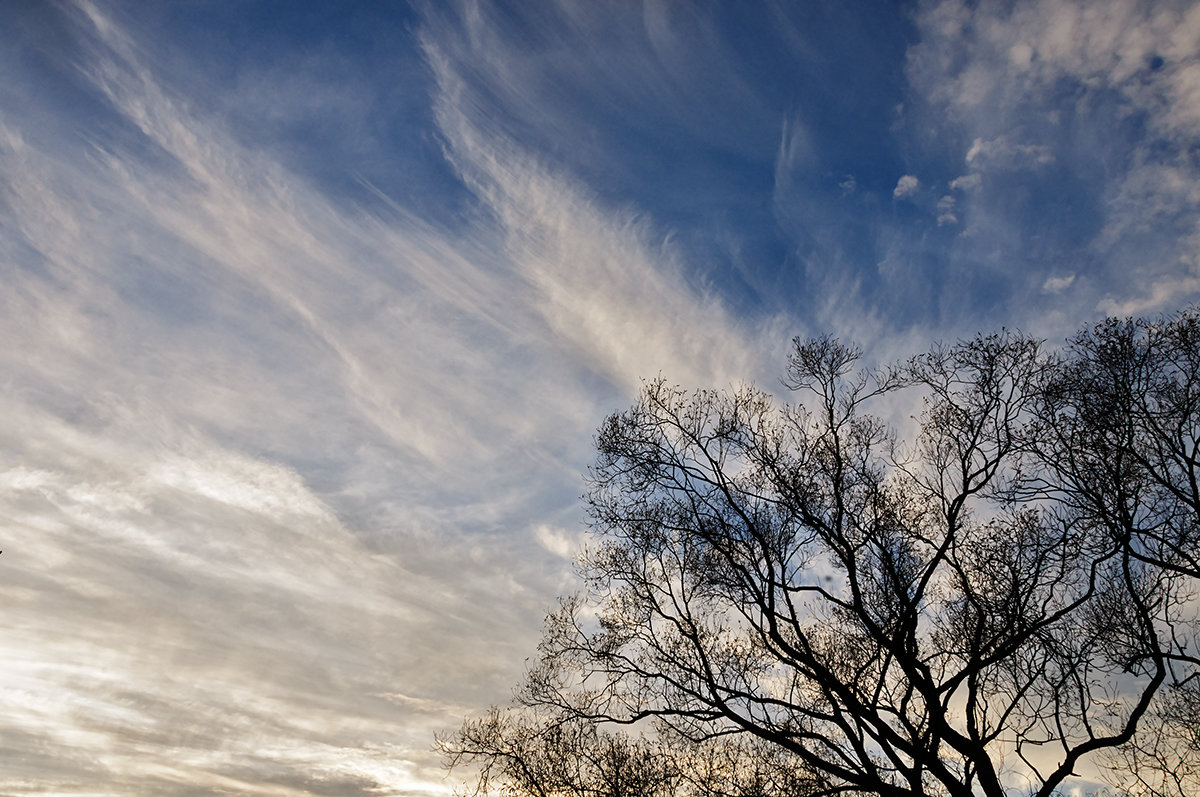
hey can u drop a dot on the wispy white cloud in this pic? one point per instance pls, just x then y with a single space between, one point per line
189 617
945 210
558 541
607 283
1000 153
1057 284
272 460
796 153
966 182
1161 293
178 609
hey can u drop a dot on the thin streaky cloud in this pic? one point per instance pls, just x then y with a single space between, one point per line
603 285
309 318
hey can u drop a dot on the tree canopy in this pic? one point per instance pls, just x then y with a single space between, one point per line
994 604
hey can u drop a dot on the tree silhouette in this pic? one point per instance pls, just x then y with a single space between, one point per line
983 609
521 752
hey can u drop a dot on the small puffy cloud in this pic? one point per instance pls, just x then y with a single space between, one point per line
1020 55
1058 284
945 211
907 186
967 182
848 185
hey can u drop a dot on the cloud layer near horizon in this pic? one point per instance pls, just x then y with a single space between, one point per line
268 457
303 347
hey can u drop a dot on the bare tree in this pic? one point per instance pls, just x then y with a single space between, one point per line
517 755
523 753
1163 760
1121 434
979 611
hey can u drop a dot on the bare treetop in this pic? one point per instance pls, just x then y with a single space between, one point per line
985 609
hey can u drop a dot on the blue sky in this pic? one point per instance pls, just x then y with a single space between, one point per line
310 311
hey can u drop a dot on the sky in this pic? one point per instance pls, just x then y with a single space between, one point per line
309 312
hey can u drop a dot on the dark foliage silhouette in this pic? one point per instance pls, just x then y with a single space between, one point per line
1002 599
